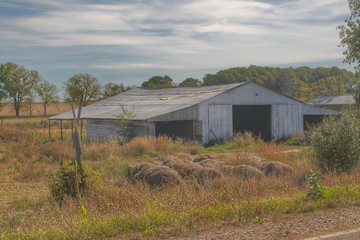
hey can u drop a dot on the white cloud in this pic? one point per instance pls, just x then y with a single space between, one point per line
180 35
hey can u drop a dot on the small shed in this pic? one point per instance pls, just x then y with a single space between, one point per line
206 114
335 102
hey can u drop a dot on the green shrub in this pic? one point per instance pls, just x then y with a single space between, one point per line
65 179
315 190
336 142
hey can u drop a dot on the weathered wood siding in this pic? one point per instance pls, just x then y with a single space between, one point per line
286 113
190 113
103 129
220 122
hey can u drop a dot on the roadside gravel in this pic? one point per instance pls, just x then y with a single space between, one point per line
294 226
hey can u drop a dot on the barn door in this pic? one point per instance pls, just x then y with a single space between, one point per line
220 122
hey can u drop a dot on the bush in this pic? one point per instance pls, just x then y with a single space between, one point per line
64 182
336 142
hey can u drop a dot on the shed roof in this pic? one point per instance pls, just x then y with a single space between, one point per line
339 99
148 103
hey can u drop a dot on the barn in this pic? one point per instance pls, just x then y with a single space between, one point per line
337 102
208 113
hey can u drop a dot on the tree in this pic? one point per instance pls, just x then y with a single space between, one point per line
47 92
17 83
190 82
125 125
112 89
82 85
350 35
158 82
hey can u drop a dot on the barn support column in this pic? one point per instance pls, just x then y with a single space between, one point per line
49 129
61 130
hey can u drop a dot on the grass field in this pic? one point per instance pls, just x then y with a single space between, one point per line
36 109
116 207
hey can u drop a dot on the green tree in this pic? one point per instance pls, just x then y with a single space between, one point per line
48 93
350 35
158 82
112 89
17 83
190 82
82 85
125 125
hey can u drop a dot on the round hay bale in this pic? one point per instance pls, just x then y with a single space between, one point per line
274 168
201 158
199 173
136 171
154 175
210 163
246 172
161 175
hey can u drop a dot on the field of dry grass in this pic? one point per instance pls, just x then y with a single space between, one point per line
116 206
35 109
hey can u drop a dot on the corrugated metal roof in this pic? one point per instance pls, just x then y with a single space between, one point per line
333 99
148 103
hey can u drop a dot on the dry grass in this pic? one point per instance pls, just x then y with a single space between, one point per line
37 109
120 207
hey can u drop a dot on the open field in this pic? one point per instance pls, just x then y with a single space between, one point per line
34 109
117 207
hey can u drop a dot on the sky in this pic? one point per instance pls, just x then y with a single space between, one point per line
128 42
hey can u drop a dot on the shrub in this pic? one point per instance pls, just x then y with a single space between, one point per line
315 191
336 142
64 182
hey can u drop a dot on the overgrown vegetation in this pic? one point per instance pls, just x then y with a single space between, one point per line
125 125
336 142
118 208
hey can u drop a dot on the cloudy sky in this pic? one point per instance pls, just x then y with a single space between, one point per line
127 41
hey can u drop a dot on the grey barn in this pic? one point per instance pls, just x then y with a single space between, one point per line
205 114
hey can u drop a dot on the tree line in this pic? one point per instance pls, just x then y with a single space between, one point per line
302 83
18 84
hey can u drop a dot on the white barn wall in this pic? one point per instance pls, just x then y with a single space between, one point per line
286 114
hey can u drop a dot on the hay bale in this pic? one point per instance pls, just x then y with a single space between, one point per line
199 173
274 168
201 158
246 172
190 170
136 171
154 175
212 163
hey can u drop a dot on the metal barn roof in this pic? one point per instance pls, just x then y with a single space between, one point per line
148 103
333 100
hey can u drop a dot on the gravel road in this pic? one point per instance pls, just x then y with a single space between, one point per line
295 227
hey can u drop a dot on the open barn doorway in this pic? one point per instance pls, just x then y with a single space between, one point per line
181 129
312 120
253 118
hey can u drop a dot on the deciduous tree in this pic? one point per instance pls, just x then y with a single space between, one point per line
190 82
82 85
17 83
112 89
158 82
48 93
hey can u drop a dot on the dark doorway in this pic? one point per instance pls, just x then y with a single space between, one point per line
311 120
253 118
182 129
